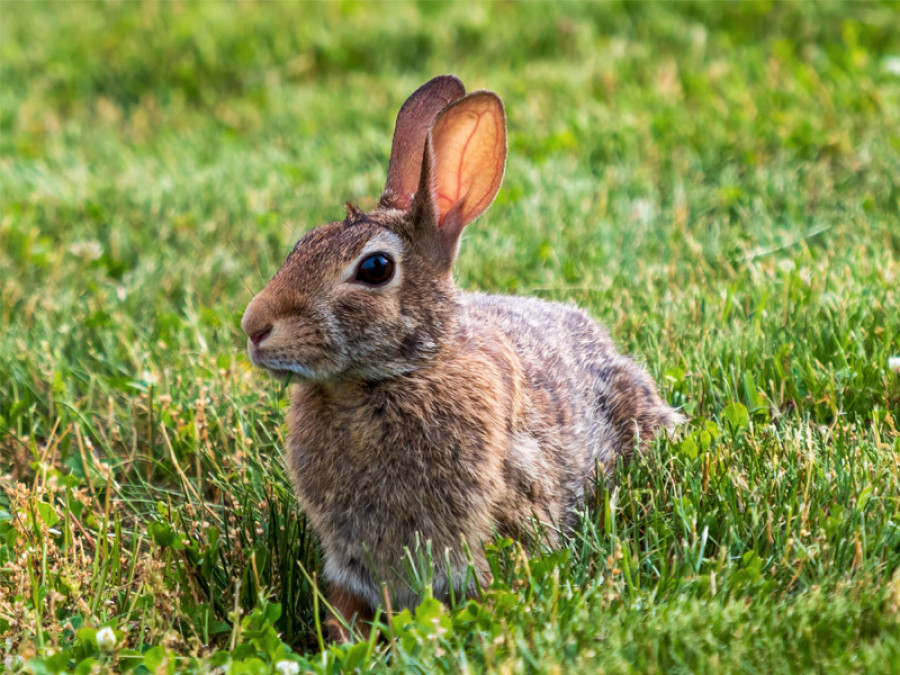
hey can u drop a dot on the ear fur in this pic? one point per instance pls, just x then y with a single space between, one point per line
465 157
413 122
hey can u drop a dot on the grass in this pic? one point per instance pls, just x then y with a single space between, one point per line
717 183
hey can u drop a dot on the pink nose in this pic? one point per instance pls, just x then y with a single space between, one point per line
259 336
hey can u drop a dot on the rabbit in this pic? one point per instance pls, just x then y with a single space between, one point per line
423 412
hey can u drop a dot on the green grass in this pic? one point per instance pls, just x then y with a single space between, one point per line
717 183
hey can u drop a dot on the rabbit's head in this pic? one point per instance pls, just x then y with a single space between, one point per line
372 296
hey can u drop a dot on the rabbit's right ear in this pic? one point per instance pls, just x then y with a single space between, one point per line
413 122
465 156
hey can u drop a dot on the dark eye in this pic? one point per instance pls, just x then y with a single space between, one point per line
375 270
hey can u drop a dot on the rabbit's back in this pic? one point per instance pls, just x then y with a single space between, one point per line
596 403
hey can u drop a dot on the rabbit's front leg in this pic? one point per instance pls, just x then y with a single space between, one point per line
347 608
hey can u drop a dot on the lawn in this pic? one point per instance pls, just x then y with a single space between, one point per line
715 182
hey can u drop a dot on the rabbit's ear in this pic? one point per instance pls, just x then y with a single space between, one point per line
413 121
465 155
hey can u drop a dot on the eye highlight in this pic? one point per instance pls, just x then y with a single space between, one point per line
375 270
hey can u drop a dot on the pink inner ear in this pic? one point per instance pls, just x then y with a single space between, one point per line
469 140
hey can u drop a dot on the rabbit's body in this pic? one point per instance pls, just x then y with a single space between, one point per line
395 460
424 413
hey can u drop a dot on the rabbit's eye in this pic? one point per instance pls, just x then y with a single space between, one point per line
375 270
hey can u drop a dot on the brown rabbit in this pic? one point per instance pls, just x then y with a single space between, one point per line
423 411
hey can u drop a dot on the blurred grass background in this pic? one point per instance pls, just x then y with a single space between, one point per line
716 182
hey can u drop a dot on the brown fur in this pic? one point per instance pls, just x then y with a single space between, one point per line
424 412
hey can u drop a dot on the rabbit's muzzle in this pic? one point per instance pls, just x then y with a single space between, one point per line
295 344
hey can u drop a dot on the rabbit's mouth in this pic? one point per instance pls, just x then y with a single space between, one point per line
280 367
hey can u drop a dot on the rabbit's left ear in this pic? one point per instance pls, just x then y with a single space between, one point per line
465 156
413 122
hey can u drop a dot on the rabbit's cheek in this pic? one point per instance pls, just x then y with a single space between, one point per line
364 315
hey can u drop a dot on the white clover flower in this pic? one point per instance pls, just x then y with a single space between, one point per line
106 639
894 363
13 663
287 667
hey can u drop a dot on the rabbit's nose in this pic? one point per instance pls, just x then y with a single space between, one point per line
257 321
260 335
